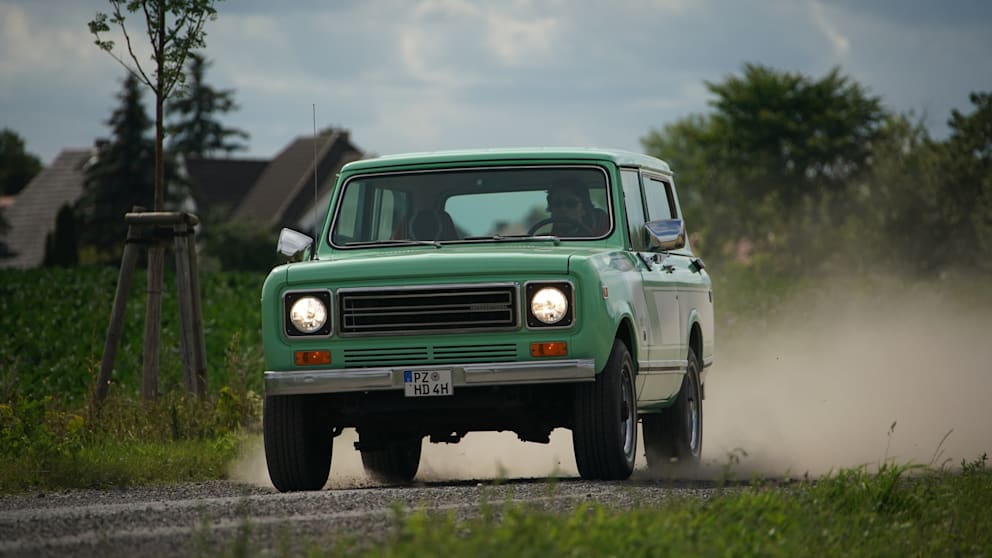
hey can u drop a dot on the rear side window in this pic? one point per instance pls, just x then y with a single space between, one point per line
659 198
635 208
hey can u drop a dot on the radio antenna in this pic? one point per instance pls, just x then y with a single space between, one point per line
316 231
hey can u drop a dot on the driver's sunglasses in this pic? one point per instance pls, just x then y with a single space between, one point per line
564 202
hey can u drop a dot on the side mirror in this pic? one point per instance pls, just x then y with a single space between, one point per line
292 244
665 234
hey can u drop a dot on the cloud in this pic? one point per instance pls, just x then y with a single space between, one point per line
30 44
452 73
841 45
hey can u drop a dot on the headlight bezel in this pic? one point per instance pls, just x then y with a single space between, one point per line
292 297
567 289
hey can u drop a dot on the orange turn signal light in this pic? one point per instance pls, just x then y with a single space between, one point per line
310 358
549 349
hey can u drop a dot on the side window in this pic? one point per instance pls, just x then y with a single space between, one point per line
635 208
659 198
368 213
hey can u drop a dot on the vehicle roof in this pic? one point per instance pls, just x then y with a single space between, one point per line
617 156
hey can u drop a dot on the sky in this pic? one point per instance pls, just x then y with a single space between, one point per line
418 75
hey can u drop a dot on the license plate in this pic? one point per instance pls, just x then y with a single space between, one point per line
427 383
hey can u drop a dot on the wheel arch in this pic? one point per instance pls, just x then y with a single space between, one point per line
625 332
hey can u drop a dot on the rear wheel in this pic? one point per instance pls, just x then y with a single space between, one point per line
675 436
390 461
604 435
298 442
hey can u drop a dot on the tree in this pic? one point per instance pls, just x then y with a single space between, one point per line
121 177
966 199
17 166
5 252
773 162
197 131
174 27
62 245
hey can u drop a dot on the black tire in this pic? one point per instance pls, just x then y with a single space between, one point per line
298 442
604 435
675 436
390 461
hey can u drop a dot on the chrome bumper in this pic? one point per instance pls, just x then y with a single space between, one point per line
476 374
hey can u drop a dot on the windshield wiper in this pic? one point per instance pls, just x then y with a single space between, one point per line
400 241
513 237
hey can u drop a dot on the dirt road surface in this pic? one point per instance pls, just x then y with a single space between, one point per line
211 518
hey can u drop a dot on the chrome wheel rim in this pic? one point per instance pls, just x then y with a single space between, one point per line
694 419
628 416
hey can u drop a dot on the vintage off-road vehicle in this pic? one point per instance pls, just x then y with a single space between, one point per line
488 290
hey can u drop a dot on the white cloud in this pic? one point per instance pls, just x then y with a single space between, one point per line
841 45
517 42
29 44
454 73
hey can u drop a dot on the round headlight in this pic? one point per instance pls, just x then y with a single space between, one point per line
549 305
308 314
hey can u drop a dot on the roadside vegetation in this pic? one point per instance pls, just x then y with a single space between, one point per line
894 511
51 434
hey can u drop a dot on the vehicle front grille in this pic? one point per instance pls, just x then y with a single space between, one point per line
417 310
419 355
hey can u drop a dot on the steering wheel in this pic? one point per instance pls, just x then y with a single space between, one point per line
582 227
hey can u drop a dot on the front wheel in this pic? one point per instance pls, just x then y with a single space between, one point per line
604 435
298 442
390 461
676 434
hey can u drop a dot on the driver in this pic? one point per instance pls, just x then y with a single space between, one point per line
573 214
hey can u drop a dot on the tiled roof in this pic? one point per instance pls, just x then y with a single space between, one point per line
219 185
32 215
285 189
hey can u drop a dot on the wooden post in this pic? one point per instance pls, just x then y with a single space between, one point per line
185 304
199 344
116 327
194 353
153 321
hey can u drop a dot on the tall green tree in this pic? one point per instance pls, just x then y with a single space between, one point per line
897 205
175 28
17 166
197 129
774 161
966 200
121 177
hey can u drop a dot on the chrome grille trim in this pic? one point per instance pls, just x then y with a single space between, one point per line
423 355
426 309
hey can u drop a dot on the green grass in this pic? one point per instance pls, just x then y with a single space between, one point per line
46 445
895 511
51 436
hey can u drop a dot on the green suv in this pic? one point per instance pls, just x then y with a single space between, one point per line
488 290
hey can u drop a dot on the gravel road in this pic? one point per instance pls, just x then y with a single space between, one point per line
207 518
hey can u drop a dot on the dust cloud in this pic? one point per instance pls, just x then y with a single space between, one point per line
843 381
820 386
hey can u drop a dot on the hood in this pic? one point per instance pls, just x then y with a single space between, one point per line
428 262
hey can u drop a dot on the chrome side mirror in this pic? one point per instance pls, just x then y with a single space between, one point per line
291 243
665 234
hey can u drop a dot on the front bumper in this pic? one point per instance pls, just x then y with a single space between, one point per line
299 382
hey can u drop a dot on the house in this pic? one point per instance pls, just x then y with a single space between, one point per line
304 172
275 193
32 214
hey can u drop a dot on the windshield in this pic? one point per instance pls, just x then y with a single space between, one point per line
473 205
